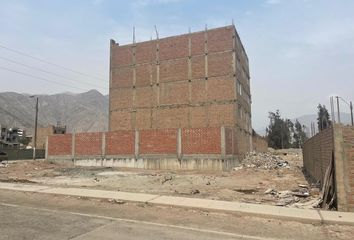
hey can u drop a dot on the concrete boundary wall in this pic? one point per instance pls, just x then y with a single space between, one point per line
336 142
177 149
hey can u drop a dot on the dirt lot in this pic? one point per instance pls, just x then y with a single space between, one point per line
271 178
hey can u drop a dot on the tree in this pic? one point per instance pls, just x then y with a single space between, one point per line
323 120
279 131
299 135
23 140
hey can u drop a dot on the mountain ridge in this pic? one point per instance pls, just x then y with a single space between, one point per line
81 112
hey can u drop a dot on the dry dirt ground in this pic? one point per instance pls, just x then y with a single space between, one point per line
251 182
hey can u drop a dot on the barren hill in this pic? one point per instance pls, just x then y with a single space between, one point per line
84 112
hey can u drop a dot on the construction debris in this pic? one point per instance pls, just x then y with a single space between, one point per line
166 178
3 165
195 191
328 194
116 201
246 190
264 161
287 197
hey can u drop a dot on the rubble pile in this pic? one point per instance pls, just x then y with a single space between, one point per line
298 197
264 161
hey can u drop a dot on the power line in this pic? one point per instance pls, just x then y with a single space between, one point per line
49 72
50 63
40 78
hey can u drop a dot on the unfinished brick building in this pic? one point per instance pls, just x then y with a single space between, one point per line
195 80
180 102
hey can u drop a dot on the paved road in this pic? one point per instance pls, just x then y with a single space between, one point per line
26 215
21 222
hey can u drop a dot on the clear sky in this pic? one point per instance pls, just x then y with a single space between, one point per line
300 51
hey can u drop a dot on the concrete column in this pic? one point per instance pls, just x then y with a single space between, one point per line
112 43
103 147
136 145
133 113
233 139
234 62
206 72
179 143
206 53
46 148
340 167
223 145
189 78
73 146
157 72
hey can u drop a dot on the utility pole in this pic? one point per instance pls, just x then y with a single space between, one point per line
133 34
351 112
35 128
338 109
350 104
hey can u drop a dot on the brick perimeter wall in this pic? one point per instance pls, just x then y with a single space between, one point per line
59 145
337 141
317 153
183 148
154 141
120 142
162 141
201 140
87 144
259 144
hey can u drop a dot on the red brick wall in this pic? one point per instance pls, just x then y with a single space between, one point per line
259 144
152 141
172 79
125 76
87 144
120 142
339 141
162 141
122 55
173 47
59 144
172 117
120 120
317 153
201 140
220 39
173 70
145 52
217 66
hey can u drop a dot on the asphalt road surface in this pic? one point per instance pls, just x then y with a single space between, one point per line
25 215
21 222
